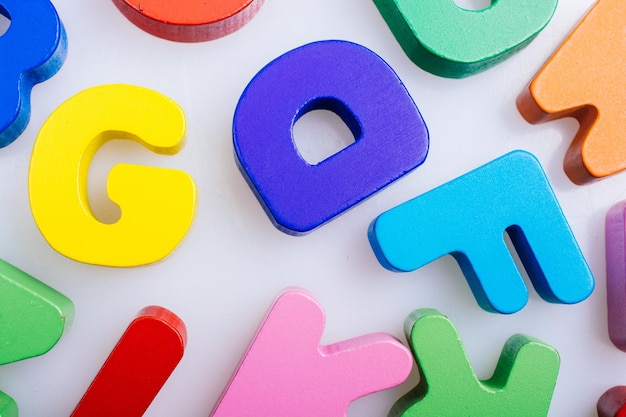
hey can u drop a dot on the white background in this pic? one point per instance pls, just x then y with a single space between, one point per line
233 263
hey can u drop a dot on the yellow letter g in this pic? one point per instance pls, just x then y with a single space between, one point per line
157 204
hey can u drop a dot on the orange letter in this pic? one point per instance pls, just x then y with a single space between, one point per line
586 79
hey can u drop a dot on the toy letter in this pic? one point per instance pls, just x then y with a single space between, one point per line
157 204
358 86
32 50
190 20
33 318
521 386
585 79
447 40
138 367
467 218
286 372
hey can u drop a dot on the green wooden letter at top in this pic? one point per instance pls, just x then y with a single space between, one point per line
450 41
521 386
33 316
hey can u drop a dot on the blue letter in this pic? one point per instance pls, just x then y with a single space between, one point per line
467 218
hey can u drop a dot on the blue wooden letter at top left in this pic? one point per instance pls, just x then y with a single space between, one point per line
33 49
468 217
358 86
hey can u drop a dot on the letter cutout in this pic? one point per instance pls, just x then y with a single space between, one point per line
33 317
447 40
29 307
191 20
33 49
467 218
157 204
357 85
287 373
521 386
137 368
613 403
615 235
584 79
8 407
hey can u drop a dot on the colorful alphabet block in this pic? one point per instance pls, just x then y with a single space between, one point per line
615 235
358 86
157 204
450 41
613 403
33 49
191 20
584 79
521 386
8 407
286 373
468 217
29 307
138 367
33 317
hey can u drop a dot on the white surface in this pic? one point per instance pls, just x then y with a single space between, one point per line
232 264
